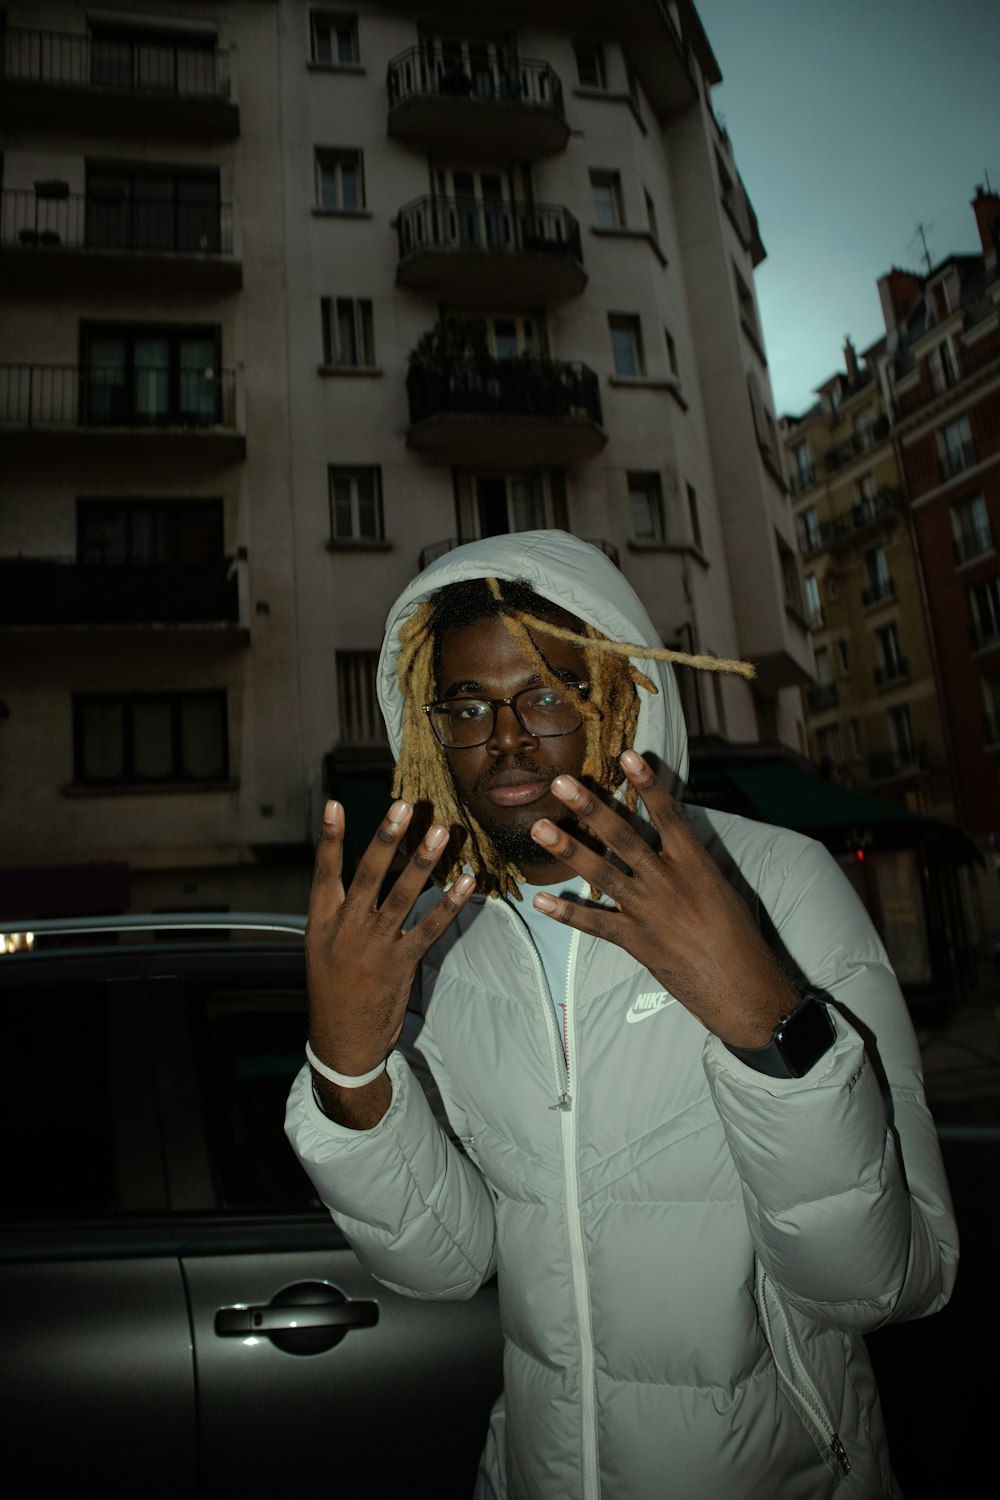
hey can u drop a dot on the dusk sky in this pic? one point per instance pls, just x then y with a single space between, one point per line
852 121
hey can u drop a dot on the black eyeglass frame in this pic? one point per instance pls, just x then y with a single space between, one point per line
495 703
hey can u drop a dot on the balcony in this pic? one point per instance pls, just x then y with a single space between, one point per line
857 444
498 112
873 513
44 591
488 252
823 695
892 672
973 543
52 237
71 80
888 765
878 593
482 411
985 633
150 410
957 458
434 550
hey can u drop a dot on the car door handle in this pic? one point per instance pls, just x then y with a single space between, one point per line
270 1319
309 1317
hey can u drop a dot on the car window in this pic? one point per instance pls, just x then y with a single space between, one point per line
55 1103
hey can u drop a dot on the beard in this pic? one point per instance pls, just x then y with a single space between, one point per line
511 838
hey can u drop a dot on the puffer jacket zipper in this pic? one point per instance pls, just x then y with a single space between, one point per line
794 1374
563 1063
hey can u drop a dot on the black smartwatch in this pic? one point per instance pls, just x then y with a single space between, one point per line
798 1041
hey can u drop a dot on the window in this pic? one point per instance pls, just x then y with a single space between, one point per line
991 702
152 376
830 748
348 335
672 355
748 311
857 742
790 578
607 191
339 181
877 572
901 735
824 674
150 739
355 505
361 721
508 502
148 532
970 525
693 515
334 39
865 490
864 424
809 534
135 53
149 208
892 662
651 218
957 449
509 337
984 601
589 65
941 363
645 498
802 467
814 609
626 346
843 658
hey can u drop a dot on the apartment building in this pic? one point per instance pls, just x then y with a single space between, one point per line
520 271
149 750
298 297
942 374
873 716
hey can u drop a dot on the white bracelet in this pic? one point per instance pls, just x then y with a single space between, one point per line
343 1080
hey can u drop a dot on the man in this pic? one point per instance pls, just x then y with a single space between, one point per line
694 1143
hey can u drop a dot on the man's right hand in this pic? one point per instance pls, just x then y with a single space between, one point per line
360 964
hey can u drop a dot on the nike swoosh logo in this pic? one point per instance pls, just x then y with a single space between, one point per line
648 1005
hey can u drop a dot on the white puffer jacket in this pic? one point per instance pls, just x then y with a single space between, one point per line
688 1251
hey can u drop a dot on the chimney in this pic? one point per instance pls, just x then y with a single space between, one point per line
986 207
897 292
851 361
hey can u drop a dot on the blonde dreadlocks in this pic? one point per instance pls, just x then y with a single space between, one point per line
610 712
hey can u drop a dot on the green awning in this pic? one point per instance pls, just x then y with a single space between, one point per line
840 817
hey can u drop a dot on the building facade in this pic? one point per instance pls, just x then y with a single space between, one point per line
297 297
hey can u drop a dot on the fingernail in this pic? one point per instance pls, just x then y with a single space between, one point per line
331 814
547 904
545 832
436 836
398 812
464 884
632 762
564 787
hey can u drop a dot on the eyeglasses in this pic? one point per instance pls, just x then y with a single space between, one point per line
542 712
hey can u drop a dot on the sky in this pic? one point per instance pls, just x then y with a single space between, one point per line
852 122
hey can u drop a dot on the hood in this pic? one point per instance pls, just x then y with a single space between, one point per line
575 576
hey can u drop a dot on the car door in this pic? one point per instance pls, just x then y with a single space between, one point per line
306 1366
96 1360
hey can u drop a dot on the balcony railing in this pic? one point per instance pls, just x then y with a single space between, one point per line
892 671
492 225
801 480
48 216
526 386
857 443
67 59
975 542
877 593
883 764
956 459
823 695
862 515
523 80
62 591
71 396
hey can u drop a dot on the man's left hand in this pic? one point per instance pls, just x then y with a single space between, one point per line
677 914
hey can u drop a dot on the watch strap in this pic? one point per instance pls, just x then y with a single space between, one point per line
798 1041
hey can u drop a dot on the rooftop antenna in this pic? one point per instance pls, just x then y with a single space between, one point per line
920 234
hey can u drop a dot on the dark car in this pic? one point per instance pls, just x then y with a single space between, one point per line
180 1314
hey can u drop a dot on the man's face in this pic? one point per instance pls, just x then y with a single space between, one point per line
505 782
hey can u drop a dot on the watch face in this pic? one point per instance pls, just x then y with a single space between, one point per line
804 1037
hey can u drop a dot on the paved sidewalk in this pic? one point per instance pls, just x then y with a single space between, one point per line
962 1060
